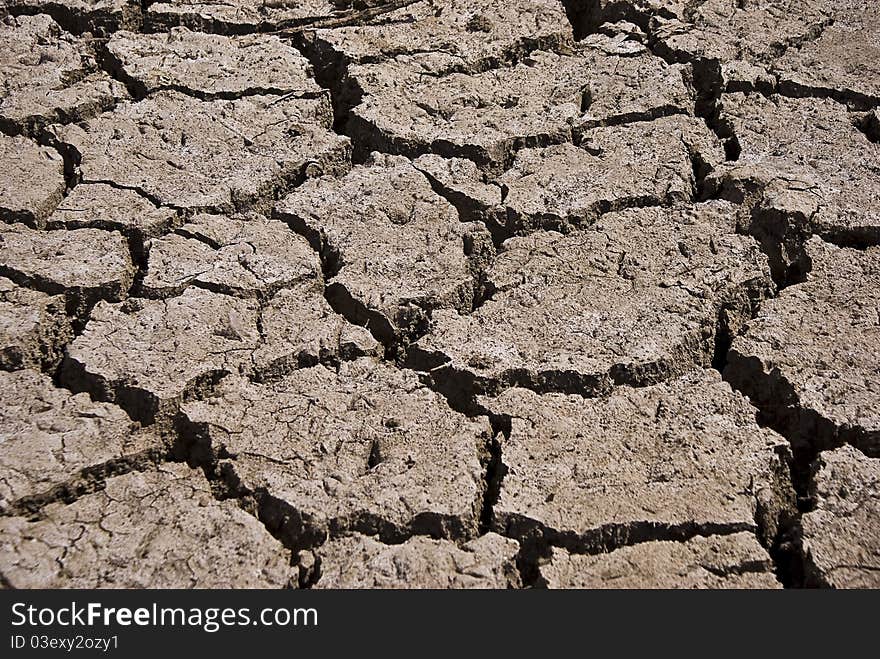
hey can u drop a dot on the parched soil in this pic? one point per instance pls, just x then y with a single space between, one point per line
440 294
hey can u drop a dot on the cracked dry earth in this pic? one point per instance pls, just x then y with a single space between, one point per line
440 293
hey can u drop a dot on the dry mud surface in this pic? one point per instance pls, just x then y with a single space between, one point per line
440 293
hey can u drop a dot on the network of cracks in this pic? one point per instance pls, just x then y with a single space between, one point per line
440 293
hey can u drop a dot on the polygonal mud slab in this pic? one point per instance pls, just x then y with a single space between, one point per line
394 250
150 355
33 182
220 155
86 265
809 359
101 16
49 76
642 296
466 35
484 116
34 327
211 66
628 83
808 169
57 445
364 449
640 164
475 195
843 63
730 30
361 562
100 206
156 529
247 256
542 100
237 16
300 329
658 463
719 561
841 537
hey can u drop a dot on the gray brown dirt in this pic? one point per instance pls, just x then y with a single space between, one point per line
439 294
50 76
840 535
724 561
665 462
554 321
362 562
